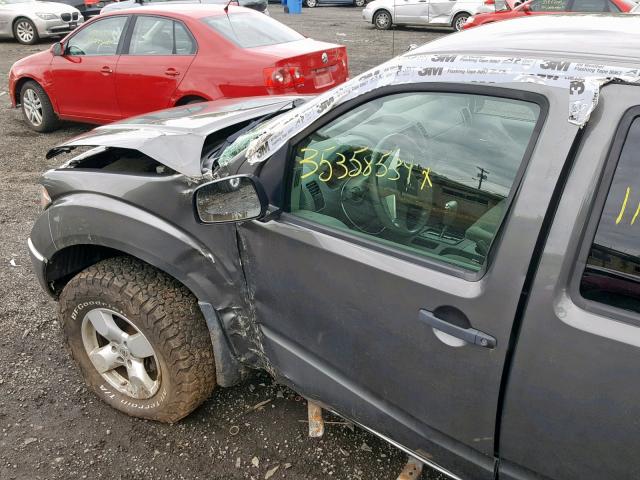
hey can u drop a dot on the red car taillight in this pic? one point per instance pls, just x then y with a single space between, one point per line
489 2
282 78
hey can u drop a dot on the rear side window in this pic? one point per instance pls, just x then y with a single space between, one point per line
160 36
590 6
252 30
612 273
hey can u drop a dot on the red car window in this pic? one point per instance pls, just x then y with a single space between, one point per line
252 30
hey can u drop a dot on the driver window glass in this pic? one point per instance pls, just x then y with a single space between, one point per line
100 38
428 173
590 6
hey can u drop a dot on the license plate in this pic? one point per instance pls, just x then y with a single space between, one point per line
73 25
323 79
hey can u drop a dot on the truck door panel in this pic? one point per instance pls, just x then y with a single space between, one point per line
571 406
342 315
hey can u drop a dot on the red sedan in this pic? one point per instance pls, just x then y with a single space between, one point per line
135 61
516 9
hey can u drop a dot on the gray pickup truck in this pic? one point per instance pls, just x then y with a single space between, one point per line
444 250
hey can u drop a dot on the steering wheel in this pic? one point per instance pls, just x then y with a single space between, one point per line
401 195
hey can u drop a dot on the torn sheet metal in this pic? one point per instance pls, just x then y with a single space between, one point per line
582 81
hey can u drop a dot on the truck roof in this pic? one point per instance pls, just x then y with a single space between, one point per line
600 38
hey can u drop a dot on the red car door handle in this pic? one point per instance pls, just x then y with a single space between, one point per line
172 72
106 70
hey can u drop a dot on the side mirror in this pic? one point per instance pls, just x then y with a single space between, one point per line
231 199
57 49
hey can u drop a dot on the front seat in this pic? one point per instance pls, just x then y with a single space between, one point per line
483 231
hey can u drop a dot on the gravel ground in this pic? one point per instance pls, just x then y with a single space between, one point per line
53 428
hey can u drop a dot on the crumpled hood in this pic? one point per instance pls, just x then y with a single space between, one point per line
175 137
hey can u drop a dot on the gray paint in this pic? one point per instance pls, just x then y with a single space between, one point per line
336 318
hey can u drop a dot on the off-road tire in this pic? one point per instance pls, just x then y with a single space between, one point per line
169 317
49 120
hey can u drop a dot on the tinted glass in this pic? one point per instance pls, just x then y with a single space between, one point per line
612 275
548 5
159 36
590 6
252 30
428 173
99 38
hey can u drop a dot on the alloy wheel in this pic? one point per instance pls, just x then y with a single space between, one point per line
25 31
32 106
311 3
383 20
121 353
460 21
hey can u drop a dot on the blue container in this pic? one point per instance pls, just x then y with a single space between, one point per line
295 6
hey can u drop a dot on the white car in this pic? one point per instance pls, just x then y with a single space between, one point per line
385 13
29 20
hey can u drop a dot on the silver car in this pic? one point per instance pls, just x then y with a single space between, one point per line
29 20
446 13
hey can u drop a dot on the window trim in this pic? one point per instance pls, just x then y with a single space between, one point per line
288 151
129 35
603 187
119 48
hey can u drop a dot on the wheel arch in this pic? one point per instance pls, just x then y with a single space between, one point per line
188 98
71 260
458 13
381 9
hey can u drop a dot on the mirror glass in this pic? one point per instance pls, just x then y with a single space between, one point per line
231 199
57 49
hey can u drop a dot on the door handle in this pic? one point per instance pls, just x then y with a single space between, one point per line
469 335
172 72
106 70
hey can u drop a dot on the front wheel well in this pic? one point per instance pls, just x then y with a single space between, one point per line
18 87
190 99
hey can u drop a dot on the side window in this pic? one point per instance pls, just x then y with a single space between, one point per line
159 36
427 173
99 38
612 273
548 5
590 6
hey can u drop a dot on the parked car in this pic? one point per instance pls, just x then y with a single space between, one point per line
383 14
438 250
518 8
259 5
189 53
27 21
88 8
315 3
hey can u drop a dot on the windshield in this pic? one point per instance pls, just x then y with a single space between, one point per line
249 30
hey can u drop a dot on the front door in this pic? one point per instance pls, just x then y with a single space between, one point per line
153 65
571 409
440 11
83 78
409 228
414 12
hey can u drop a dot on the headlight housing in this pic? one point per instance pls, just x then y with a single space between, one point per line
47 16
